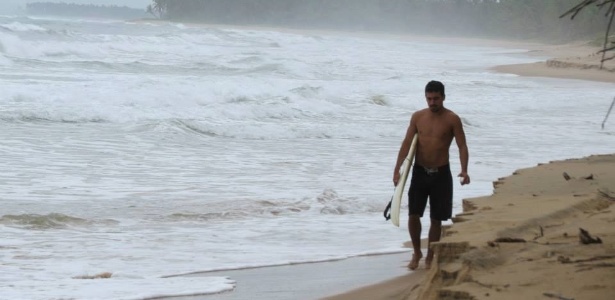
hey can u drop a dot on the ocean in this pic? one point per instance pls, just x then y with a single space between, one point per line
148 150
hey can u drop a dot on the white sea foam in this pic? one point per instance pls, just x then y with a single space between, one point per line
3 60
148 151
11 44
17 26
118 288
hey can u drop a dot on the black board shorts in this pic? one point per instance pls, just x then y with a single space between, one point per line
435 184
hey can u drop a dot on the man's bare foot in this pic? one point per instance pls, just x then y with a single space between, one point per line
428 261
414 262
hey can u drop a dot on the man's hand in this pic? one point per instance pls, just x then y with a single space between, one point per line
464 178
395 177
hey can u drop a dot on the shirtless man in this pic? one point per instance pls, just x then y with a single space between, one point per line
431 174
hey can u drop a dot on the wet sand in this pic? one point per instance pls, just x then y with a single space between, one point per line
313 280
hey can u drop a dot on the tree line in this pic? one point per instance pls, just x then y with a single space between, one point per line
488 18
83 10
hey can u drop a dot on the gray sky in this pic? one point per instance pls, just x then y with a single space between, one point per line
130 3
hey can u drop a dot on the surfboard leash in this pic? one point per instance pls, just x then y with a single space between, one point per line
387 210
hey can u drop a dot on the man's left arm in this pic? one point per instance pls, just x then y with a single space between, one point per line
464 155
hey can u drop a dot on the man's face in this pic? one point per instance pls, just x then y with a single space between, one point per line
434 101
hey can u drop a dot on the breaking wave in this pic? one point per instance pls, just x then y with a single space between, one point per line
329 202
21 27
48 221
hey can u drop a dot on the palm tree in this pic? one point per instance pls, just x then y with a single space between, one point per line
609 13
150 10
158 8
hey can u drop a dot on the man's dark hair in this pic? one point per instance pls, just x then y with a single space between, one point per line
435 87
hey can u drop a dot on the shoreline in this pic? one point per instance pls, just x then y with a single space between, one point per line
473 265
577 60
524 241
311 280
542 69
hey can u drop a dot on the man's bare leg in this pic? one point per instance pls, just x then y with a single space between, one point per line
414 227
435 231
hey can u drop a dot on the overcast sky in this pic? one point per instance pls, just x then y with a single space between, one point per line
129 3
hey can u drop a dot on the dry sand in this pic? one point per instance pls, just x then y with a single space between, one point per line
577 60
523 242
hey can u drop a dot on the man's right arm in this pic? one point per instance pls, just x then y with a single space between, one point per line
405 147
460 139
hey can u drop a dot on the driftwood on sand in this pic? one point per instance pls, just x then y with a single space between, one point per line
585 238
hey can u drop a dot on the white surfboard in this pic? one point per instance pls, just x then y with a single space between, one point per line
399 188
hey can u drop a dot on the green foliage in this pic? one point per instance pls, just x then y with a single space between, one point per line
538 19
83 10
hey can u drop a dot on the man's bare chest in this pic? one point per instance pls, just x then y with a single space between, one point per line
438 130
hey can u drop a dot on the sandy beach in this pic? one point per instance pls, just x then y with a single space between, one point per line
521 242
525 241
577 60
187 161
545 233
